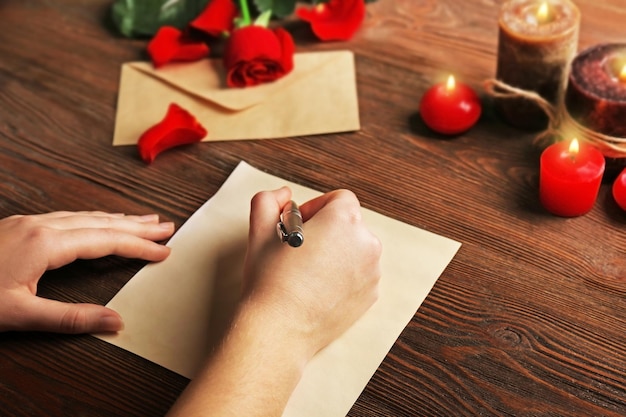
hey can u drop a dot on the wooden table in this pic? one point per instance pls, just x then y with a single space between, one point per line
528 319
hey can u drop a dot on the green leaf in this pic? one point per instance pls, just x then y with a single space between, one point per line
280 8
263 19
145 17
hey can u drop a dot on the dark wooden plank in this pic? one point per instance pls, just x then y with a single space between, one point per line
528 319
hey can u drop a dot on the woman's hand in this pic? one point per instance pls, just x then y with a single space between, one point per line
31 245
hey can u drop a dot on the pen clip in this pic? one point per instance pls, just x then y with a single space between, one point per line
282 231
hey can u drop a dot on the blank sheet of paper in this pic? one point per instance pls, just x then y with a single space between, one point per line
175 311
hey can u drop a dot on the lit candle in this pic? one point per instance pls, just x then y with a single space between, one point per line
543 14
596 91
450 108
537 42
569 177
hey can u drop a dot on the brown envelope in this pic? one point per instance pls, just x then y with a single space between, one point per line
318 96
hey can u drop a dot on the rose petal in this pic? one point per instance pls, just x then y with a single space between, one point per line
170 44
254 55
249 43
178 127
288 49
335 20
216 18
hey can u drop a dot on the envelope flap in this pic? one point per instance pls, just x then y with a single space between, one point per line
206 78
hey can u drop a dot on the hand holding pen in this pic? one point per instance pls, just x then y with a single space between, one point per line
294 301
325 284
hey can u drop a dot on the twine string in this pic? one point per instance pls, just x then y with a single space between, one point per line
560 123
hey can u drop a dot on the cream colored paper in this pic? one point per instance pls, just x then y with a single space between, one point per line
175 310
318 96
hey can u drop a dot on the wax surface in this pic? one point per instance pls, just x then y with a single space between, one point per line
569 183
519 18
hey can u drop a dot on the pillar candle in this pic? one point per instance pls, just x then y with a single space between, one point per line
536 44
570 174
596 89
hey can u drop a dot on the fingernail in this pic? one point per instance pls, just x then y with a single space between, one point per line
149 218
166 225
111 323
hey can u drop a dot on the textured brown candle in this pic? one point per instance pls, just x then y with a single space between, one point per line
535 48
596 91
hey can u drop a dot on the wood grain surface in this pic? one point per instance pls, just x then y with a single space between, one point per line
529 319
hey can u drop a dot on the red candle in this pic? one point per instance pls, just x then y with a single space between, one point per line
569 178
619 190
450 108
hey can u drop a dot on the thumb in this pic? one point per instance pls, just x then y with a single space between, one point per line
265 212
58 317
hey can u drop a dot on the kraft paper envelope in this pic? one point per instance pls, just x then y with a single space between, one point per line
318 96
175 310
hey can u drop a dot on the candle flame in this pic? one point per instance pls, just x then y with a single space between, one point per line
543 13
622 74
450 84
574 147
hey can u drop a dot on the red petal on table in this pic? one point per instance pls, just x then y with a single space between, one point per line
170 44
336 20
254 55
178 127
216 18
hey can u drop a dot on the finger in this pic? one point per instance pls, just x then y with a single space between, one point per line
265 209
144 226
42 314
312 207
96 243
65 213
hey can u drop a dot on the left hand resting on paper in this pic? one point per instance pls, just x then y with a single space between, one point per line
31 245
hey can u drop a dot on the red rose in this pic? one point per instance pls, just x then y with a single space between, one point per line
178 127
255 55
216 18
336 20
170 44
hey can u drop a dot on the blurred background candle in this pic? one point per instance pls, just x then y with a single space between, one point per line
619 190
537 41
596 90
570 174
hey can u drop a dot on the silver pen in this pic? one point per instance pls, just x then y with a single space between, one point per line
289 226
